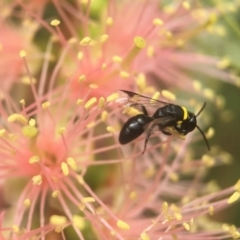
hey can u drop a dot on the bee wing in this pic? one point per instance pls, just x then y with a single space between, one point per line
137 100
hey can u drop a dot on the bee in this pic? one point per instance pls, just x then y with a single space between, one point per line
169 118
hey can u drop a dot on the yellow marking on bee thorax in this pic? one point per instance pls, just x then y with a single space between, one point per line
185 113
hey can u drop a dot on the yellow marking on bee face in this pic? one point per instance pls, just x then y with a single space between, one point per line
179 123
185 113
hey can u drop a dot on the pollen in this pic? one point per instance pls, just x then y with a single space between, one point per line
88 200
80 55
85 41
133 195
93 86
110 129
104 116
209 93
2 132
155 97
197 85
82 78
22 53
65 169
109 21
150 51
57 220
186 226
210 133
55 22
17 117
112 97
123 225
117 59
178 216
104 38
224 63
235 197
37 180
208 160
29 131
124 74
101 102
90 103
27 202
15 228
91 124
80 102
22 101
157 22
28 80
144 236
46 105
139 42
61 130
141 81
55 194
167 94
211 210
186 5
72 163
79 222
34 159
32 122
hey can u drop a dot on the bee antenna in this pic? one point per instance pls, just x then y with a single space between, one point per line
204 137
204 105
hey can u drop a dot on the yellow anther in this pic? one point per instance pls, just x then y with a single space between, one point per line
186 5
88 200
178 216
157 21
109 21
65 169
80 102
37 180
91 124
29 131
93 86
112 97
210 133
55 22
22 101
2 131
45 105
208 160
15 228
133 195
80 55
22 54
85 41
141 81
90 103
117 59
186 226
82 78
224 63
124 74
234 197
123 225
209 93
27 202
58 220
150 51
34 159
139 42
61 130
79 222
104 38
144 236
197 85
28 80
167 94
32 122
55 194
111 129
17 117
155 97
211 210
104 116
72 163
101 102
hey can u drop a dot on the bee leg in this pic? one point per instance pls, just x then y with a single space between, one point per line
166 132
144 110
147 137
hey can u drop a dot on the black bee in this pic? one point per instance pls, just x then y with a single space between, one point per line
169 118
